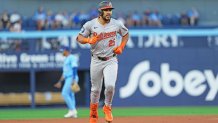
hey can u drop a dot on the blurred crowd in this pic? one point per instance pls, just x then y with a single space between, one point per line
48 20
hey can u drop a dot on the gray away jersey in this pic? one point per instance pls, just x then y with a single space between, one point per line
107 33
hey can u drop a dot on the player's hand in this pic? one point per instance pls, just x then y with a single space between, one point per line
91 40
57 85
118 50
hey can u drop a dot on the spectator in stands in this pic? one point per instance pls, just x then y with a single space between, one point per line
58 20
49 22
121 18
145 17
93 13
66 20
129 21
193 16
184 19
40 17
15 20
84 17
63 20
136 18
75 18
155 19
5 20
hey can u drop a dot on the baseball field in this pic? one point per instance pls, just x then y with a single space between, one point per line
121 115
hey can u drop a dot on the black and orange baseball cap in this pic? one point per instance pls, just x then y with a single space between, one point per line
105 5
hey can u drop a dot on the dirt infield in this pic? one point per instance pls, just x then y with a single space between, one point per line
145 119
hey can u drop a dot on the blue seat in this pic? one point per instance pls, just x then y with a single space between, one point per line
175 20
31 23
166 20
24 23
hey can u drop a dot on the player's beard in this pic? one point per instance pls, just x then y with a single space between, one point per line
106 18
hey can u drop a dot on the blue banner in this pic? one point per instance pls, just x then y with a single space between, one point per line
166 77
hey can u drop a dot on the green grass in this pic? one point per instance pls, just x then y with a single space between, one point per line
9 114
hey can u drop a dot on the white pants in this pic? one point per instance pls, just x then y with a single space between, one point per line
107 70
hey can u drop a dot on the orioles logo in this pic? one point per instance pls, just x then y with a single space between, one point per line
105 35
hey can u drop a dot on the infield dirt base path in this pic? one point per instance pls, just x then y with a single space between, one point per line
145 119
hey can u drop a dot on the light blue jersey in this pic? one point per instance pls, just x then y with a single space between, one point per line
70 62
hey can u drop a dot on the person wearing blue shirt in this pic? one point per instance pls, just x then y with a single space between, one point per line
70 76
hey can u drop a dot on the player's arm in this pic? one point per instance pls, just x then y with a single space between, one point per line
81 39
58 84
124 40
119 49
84 34
75 86
75 72
74 65
123 31
90 40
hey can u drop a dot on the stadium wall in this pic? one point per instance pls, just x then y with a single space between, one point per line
167 67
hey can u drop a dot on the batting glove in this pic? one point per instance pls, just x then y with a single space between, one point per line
118 50
91 40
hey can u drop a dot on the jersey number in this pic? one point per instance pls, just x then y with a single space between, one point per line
111 43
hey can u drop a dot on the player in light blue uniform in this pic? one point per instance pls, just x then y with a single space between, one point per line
70 76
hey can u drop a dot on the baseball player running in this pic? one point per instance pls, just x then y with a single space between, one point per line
101 33
70 76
